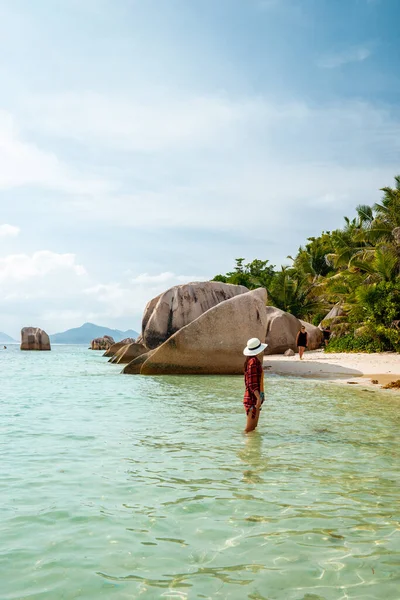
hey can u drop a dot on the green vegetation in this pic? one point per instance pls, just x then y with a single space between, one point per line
356 268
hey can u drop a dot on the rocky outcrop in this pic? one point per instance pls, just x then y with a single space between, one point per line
214 342
102 343
177 307
282 330
128 353
333 316
315 336
135 366
112 350
33 338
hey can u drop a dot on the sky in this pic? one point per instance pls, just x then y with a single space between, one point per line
147 143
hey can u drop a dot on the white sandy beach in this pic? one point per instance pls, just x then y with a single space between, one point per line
358 368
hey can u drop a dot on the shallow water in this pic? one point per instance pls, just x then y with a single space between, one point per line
125 487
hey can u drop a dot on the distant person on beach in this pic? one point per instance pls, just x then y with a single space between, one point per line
254 382
301 341
327 334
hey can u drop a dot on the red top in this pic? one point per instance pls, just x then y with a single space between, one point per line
252 380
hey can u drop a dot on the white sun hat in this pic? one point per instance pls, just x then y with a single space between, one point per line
254 347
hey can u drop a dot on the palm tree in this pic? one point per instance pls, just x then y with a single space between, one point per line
365 215
386 224
381 266
388 210
312 260
292 292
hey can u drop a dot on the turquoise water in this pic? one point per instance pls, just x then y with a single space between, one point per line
124 487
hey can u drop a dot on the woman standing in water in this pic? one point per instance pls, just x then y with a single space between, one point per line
254 382
302 341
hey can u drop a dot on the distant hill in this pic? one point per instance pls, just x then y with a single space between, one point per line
87 332
4 338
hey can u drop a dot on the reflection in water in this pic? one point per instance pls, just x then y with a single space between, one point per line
251 455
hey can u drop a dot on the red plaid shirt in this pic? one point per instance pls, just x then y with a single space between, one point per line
252 380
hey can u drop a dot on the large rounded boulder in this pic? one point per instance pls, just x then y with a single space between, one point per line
34 338
180 305
333 315
214 342
135 366
282 330
117 346
102 343
128 353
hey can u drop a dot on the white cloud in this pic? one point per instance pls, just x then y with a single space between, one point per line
55 292
25 164
281 194
9 230
32 286
150 124
349 55
158 138
66 315
299 167
183 161
157 148
129 298
163 278
22 268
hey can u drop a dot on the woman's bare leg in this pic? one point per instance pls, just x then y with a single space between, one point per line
301 352
251 422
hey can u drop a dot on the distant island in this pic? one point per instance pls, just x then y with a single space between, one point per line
6 339
89 331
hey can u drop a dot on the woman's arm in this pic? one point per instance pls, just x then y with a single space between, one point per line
254 382
297 338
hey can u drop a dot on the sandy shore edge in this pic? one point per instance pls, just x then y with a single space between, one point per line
356 369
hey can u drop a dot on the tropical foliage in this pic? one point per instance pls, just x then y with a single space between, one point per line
356 268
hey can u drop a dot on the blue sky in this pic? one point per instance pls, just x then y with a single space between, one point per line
144 143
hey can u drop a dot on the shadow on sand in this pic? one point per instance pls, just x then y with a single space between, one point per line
309 369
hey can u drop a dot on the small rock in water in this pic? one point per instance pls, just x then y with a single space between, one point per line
34 338
393 385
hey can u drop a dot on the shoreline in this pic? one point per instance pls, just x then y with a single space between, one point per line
343 368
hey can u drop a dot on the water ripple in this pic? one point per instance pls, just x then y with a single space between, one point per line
130 487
